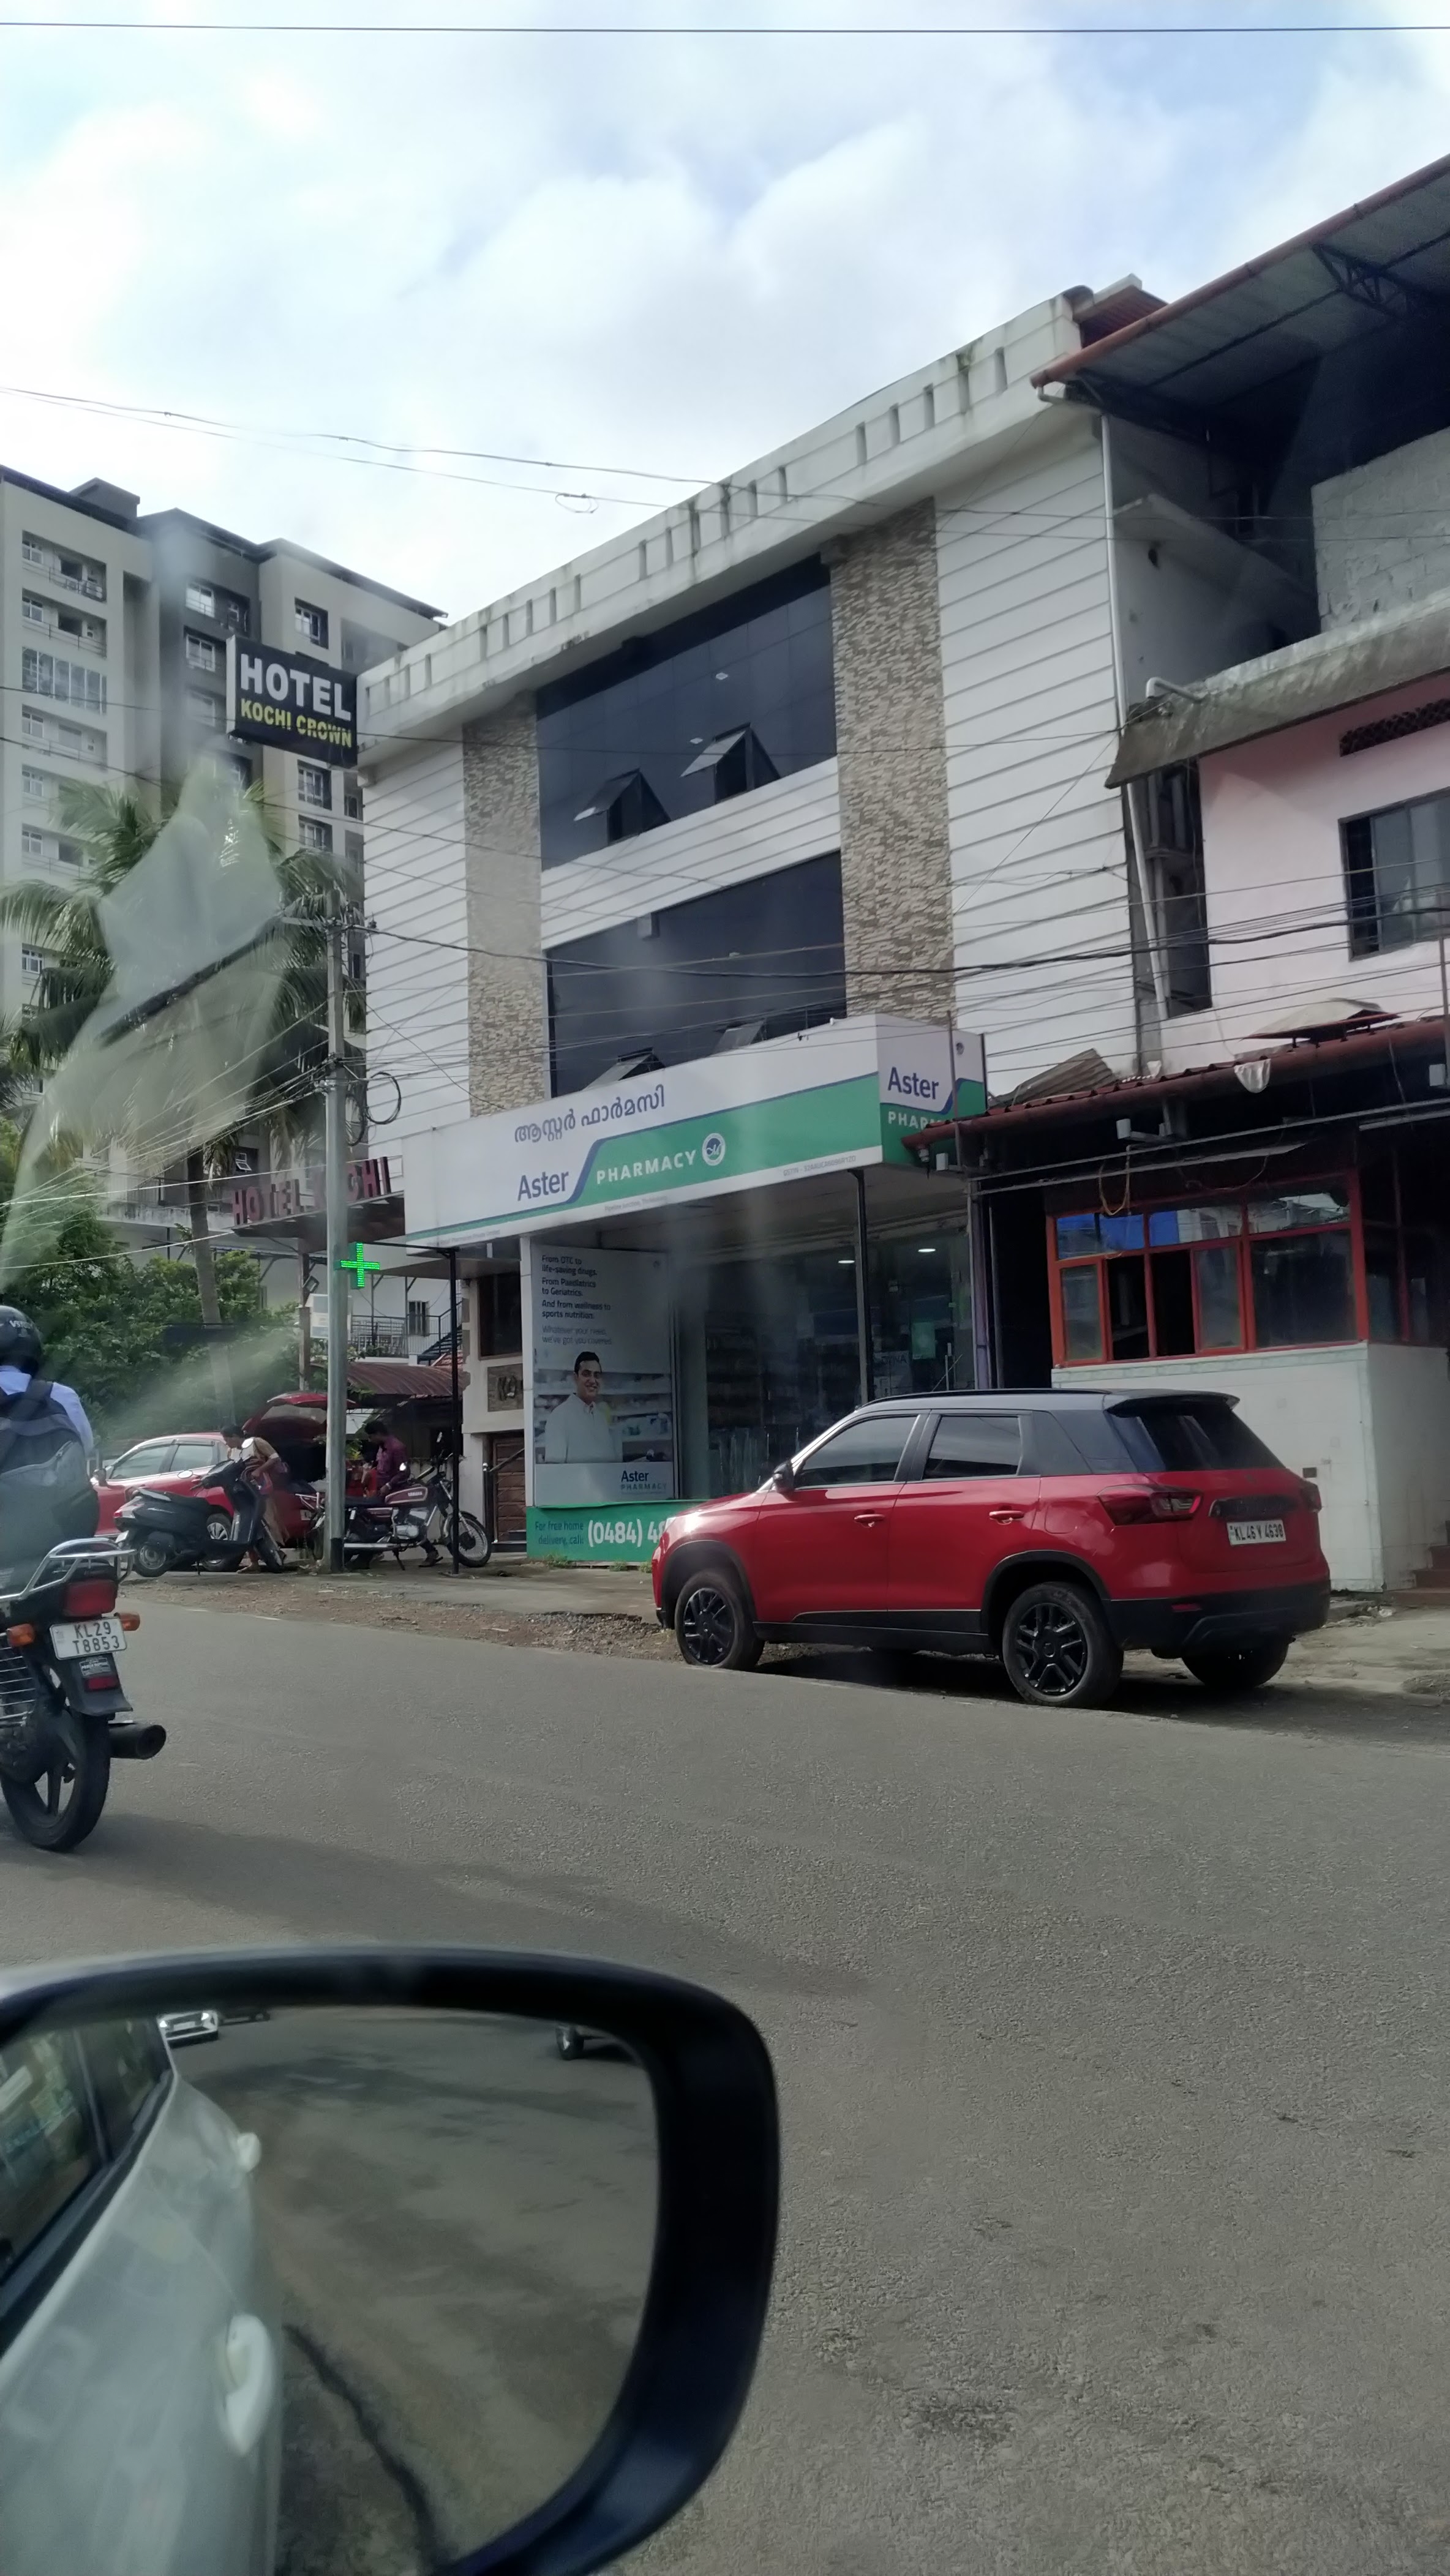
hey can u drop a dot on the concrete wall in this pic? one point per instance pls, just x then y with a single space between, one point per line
1273 865
1410 1420
1382 531
508 1058
1315 1411
895 850
418 952
1038 859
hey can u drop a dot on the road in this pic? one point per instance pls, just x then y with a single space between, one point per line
1113 2054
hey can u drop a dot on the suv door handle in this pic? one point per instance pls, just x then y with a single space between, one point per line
1004 1513
869 1520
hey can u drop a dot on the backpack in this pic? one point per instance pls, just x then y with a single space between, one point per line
46 1493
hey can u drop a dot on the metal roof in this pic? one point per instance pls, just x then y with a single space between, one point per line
1356 275
1341 668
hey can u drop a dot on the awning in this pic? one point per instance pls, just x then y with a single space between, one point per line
1312 678
1348 279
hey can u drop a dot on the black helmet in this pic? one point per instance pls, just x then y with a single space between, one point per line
20 1345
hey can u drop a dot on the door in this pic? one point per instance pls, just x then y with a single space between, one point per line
968 1507
820 1551
506 1458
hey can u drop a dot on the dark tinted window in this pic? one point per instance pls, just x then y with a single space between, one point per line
760 959
151 1459
671 710
128 2065
1303 1289
865 1453
48 2146
975 1444
1191 1436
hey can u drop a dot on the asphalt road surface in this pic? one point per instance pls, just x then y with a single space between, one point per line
1114 2053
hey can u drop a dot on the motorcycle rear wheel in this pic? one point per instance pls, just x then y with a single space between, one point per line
150 1556
62 1804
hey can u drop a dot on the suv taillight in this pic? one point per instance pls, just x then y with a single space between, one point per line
1314 1500
89 1600
1165 1503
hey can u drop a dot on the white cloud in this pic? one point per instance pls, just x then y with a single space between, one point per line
665 253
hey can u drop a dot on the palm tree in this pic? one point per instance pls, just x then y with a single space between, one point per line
115 829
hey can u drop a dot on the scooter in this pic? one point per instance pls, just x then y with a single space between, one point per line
64 1718
217 1527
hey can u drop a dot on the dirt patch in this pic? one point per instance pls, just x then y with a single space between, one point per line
308 1596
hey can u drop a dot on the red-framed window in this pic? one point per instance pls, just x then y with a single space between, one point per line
1268 1269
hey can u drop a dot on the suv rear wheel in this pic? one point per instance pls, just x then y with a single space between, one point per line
713 1628
1233 1670
1057 1650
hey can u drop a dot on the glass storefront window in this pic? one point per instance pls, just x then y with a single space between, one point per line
1298 1207
1303 1290
1220 1308
1082 1323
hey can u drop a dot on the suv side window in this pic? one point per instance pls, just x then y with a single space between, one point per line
865 1453
975 1444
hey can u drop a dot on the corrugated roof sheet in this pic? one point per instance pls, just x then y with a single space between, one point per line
1284 309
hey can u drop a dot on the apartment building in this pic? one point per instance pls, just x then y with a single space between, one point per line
113 632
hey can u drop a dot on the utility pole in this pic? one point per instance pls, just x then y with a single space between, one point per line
337 1286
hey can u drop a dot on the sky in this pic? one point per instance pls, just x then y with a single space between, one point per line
633 261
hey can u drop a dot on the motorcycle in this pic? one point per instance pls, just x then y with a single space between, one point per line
416 1515
216 1527
64 1718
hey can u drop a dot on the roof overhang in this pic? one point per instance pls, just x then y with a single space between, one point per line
1341 668
1348 280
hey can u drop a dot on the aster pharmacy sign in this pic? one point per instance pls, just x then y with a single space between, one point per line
831 1099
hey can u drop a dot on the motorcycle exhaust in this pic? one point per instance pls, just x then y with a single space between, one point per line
136 1743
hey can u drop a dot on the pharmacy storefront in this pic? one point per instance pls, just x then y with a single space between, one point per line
714 1262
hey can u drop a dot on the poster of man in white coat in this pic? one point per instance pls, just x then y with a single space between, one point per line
599 1380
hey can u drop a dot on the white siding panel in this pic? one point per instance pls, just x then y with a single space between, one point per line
418 954
750 836
1038 863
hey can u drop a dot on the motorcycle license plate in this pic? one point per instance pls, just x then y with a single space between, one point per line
72 1638
1255 1533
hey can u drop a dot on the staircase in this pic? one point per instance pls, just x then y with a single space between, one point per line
1434 1577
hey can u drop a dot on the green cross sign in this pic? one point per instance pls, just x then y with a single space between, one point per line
356 1264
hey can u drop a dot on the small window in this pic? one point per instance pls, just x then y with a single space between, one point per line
34 784
314 784
32 724
204 709
314 836
1220 1306
31 550
32 843
312 623
1397 874
418 1324
865 1453
233 613
975 1444
352 804
352 843
69 853
49 2149
32 610
1187 1438
201 598
201 652
32 961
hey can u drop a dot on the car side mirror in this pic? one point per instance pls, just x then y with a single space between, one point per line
784 1477
426 2259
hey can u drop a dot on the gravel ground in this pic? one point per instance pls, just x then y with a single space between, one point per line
311 1596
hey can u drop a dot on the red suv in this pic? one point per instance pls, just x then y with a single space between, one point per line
1051 1528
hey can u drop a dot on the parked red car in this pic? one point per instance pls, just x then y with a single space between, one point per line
1051 1528
169 1464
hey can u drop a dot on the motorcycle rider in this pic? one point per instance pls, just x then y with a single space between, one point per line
46 1447
20 1357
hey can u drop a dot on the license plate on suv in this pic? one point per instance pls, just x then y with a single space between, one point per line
1255 1533
72 1638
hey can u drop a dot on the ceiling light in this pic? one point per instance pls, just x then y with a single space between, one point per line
926 1247
846 1262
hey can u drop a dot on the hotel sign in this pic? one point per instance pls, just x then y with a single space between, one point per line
292 703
